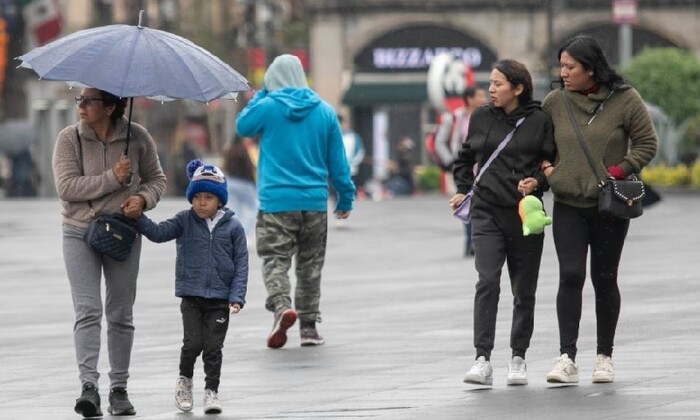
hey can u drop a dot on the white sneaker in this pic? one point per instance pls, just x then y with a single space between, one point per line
481 372
603 371
211 402
517 371
564 371
183 393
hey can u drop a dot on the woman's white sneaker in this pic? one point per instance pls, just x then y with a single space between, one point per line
517 371
480 373
564 371
603 371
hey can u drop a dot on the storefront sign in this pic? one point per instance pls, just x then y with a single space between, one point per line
420 58
413 49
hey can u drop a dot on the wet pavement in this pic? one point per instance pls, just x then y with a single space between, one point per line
397 302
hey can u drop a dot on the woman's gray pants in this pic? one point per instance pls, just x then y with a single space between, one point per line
85 268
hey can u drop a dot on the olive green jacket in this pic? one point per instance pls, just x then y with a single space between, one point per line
618 131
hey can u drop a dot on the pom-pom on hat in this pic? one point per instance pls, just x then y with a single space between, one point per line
206 178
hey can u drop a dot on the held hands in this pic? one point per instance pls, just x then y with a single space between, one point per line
235 308
122 169
527 185
133 206
455 200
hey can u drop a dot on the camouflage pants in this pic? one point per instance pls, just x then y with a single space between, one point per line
281 236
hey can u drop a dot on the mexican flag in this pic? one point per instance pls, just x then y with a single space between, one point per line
43 19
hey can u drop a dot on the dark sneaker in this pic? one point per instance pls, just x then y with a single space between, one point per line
119 404
88 405
310 337
284 319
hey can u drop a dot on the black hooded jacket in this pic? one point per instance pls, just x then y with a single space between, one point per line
532 142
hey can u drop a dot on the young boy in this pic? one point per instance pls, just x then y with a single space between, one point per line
211 276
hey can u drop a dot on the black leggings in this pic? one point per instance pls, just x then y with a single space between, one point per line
574 230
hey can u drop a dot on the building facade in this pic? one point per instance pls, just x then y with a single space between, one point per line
370 59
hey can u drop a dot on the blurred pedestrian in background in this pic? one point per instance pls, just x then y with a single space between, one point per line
450 135
25 178
354 151
301 148
240 175
94 177
401 181
618 131
497 227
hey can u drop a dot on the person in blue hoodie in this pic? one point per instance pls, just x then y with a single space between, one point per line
301 148
211 276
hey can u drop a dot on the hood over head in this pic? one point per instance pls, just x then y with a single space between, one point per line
285 71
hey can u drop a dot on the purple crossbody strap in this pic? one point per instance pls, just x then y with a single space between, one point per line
500 147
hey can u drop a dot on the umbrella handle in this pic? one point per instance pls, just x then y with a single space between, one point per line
130 178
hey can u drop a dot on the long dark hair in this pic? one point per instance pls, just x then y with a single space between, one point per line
587 51
119 105
517 74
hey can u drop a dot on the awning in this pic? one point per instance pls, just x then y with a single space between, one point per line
359 94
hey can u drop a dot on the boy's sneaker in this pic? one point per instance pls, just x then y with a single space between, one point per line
183 393
481 372
211 402
564 371
88 405
284 319
119 404
310 337
603 371
517 371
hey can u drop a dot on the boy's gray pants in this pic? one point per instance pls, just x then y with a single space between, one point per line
85 267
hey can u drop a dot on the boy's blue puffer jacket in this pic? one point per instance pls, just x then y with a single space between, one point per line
209 265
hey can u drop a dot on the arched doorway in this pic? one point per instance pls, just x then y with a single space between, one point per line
607 35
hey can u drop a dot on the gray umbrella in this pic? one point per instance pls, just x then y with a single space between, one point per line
16 135
130 61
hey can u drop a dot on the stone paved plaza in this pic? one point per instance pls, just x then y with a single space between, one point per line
397 302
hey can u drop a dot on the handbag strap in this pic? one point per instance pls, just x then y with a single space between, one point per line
495 153
579 136
82 173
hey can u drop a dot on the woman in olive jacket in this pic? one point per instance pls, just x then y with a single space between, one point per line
496 226
618 131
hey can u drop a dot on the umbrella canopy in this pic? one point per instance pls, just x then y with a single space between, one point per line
130 61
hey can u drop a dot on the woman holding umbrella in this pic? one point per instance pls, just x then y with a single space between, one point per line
93 177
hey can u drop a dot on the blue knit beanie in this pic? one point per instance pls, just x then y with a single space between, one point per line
206 178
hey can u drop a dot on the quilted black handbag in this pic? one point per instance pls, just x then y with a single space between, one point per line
621 198
112 235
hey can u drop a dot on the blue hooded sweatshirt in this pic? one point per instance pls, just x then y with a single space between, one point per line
301 144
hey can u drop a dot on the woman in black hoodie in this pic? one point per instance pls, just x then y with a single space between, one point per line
496 226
